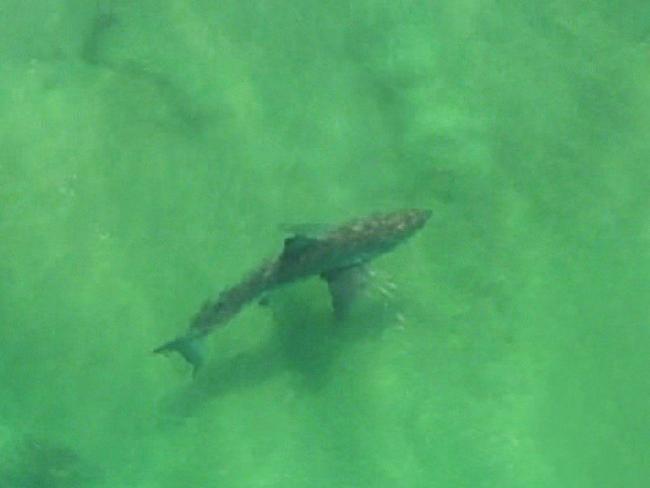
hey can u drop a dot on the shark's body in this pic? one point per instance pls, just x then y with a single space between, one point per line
338 256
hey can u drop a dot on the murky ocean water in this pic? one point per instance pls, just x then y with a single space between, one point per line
152 155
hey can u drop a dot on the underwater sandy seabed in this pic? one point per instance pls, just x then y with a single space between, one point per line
151 156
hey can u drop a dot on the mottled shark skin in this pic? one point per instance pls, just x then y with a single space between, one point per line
338 256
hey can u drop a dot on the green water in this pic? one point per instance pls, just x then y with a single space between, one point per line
152 151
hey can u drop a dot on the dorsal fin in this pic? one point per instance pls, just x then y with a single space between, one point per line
312 230
296 244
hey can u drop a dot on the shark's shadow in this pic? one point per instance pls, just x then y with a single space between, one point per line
307 341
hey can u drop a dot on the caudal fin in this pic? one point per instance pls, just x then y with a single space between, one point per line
191 348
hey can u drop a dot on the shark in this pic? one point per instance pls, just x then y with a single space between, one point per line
339 256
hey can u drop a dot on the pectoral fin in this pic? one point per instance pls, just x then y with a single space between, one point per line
345 285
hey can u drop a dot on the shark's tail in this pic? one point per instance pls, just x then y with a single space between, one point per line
191 348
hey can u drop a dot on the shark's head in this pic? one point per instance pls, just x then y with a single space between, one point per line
368 238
